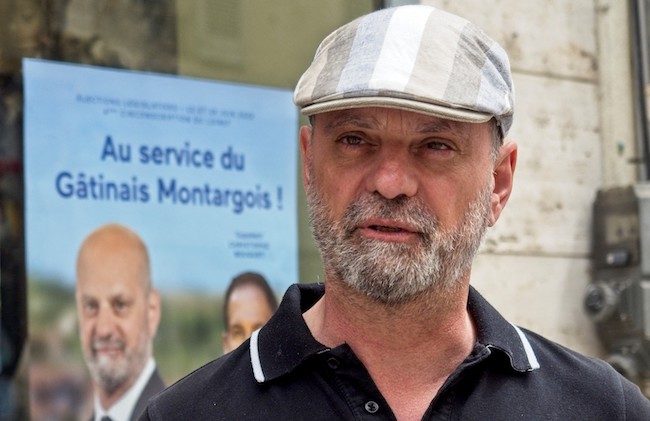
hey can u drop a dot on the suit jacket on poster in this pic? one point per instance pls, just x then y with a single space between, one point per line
154 385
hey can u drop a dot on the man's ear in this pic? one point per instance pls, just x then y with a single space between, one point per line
305 152
504 170
154 311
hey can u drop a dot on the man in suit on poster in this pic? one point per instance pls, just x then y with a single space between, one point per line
119 312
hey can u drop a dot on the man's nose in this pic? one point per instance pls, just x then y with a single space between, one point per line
105 324
392 174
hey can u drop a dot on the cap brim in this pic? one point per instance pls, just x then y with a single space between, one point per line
455 114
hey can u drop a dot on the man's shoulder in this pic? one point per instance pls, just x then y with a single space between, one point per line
595 380
552 366
206 386
555 355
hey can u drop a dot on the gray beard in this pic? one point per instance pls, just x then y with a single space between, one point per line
112 375
397 273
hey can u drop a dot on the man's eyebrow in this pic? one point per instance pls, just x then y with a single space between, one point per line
352 120
442 126
438 126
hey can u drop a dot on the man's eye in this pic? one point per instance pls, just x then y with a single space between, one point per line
90 308
237 333
439 146
120 305
351 140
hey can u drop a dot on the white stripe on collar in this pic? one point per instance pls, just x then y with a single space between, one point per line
532 358
255 357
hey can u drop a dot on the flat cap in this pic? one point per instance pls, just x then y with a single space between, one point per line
416 58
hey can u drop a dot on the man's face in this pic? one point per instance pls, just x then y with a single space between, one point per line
248 310
399 201
117 317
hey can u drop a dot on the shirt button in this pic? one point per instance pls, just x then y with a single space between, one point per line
333 363
372 407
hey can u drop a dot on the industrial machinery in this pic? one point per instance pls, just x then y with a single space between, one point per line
618 298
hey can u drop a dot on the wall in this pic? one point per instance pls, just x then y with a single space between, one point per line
575 135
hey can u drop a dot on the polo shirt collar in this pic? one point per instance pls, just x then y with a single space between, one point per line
497 333
285 341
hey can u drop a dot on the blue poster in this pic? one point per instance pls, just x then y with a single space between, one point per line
203 171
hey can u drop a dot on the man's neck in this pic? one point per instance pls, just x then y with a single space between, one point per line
409 350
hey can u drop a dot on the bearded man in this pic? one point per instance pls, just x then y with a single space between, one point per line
405 166
119 312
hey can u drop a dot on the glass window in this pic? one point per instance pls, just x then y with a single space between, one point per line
258 42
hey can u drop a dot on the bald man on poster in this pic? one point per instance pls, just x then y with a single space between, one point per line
119 312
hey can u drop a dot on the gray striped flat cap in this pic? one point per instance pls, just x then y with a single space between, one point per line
416 58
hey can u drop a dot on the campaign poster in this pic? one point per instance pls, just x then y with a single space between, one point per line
203 171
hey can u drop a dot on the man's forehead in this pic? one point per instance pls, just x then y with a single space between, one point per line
97 286
381 117
110 284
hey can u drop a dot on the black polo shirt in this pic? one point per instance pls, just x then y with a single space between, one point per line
283 373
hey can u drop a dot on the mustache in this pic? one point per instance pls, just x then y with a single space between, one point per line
100 343
409 210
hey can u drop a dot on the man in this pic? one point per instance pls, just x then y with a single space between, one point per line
248 304
119 313
404 168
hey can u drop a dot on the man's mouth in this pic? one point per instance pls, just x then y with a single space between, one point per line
108 350
108 347
389 231
384 228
